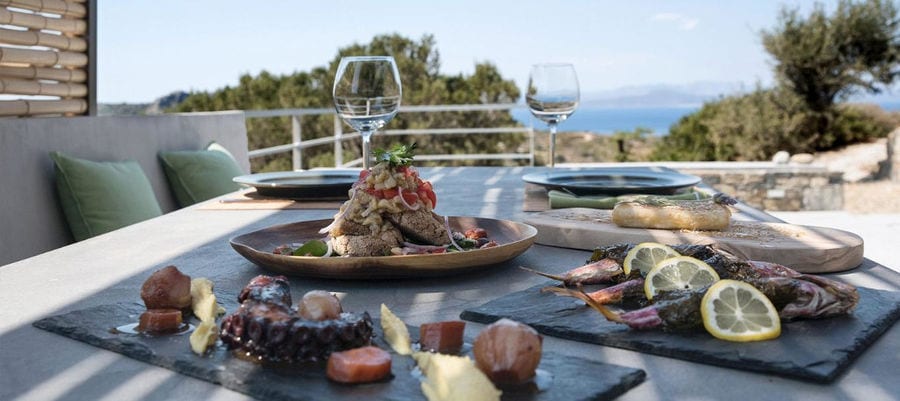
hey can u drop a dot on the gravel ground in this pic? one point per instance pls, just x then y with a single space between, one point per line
872 197
871 210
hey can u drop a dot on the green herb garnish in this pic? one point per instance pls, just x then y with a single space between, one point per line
312 248
399 155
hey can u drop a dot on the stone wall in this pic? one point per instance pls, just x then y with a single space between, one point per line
778 188
764 185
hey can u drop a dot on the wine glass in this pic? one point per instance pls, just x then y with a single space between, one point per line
552 96
366 95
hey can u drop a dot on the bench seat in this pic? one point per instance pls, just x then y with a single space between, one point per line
31 220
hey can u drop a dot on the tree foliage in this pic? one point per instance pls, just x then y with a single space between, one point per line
756 125
824 59
820 61
423 84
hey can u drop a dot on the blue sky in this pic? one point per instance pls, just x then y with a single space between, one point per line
149 48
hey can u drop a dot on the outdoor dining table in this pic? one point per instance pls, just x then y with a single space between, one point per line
39 365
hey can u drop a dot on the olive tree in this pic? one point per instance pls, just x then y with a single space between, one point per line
825 58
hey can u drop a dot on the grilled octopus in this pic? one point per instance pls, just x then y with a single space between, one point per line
267 327
795 295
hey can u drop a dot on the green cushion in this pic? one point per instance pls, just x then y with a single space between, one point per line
98 197
198 175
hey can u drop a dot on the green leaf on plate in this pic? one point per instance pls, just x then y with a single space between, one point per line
312 248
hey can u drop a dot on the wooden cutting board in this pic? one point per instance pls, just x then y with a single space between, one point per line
804 248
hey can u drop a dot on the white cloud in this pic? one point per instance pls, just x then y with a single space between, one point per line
683 22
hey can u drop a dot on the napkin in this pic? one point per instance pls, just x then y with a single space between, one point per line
560 199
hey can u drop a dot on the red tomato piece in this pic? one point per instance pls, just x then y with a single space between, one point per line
376 193
390 193
432 197
410 197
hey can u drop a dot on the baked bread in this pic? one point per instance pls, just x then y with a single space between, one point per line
707 215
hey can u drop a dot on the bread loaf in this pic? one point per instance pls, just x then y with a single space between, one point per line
707 215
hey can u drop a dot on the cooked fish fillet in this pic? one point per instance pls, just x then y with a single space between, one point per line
367 245
673 215
420 225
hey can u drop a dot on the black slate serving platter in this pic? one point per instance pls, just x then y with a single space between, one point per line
614 180
814 350
302 185
307 381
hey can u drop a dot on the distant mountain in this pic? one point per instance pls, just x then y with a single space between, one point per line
171 100
661 95
137 109
638 96
122 109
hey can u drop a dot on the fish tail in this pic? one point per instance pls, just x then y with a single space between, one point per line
580 294
548 275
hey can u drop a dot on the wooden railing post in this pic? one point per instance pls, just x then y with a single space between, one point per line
338 145
297 135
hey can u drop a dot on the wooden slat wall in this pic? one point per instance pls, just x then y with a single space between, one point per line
46 65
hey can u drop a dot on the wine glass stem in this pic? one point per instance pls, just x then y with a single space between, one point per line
552 127
366 152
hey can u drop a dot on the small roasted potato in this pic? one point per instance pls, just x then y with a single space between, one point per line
319 305
508 352
167 288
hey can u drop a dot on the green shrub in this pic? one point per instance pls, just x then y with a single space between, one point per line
756 125
862 123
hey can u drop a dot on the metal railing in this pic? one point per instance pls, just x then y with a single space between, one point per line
336 140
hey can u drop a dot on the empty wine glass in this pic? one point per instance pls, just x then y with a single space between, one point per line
367 95
552 96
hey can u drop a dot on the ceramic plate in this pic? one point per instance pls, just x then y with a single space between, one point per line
614 180
310 184
513 237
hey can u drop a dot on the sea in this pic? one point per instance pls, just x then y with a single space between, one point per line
606 121
610 120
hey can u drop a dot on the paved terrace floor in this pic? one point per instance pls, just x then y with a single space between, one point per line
880 231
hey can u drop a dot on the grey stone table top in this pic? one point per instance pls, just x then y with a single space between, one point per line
35 364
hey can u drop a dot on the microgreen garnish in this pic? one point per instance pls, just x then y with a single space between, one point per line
399 155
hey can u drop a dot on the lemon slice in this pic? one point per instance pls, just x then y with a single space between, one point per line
736 311
678 273
645 256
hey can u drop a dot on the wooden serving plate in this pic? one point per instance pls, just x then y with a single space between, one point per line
513 239
803 248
